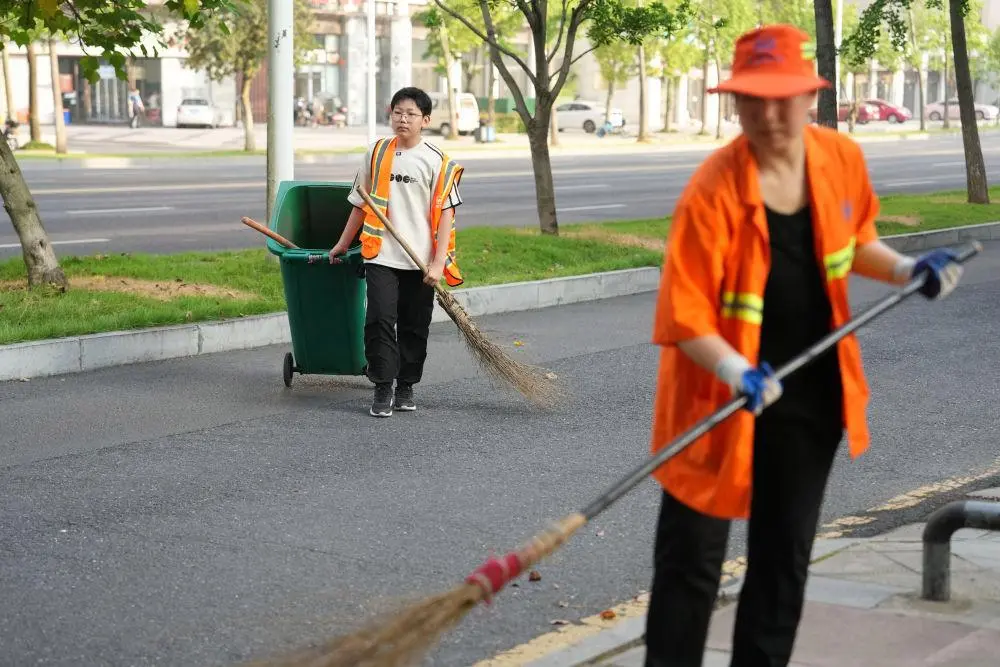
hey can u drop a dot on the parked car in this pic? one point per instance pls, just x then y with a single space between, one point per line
197 112
890 112
935 110
866 112
588 116
468 113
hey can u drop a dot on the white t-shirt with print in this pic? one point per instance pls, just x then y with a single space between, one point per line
414 175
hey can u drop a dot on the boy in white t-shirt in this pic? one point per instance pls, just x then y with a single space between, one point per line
416 185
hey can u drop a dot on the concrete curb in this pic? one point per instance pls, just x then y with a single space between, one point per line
77 354
629 633
116 348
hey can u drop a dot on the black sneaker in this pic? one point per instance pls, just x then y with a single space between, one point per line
382 404
404 397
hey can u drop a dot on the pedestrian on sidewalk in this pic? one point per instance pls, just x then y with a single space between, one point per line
756 270
415 184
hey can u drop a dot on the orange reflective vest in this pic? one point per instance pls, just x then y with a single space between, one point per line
372 229
715 270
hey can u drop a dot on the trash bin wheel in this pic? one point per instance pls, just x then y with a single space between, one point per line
289 368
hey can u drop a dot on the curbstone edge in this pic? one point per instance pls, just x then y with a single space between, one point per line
116 348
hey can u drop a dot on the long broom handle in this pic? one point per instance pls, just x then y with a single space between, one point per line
253 224
708 423
495 573
392 230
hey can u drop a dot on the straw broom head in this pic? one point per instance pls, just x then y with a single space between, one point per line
535 384
405 638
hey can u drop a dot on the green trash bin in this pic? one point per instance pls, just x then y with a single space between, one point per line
326 302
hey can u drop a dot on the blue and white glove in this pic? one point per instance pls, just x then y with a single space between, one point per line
758 384
942 269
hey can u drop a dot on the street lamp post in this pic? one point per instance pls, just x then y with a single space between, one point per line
280 98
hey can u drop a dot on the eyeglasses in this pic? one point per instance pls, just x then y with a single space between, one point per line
399 115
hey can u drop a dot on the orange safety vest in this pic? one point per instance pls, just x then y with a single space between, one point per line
714 274
372 229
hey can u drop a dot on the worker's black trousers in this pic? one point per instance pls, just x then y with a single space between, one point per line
397 323
791 464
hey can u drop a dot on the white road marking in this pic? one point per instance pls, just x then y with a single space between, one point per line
588 186
101 211
948 164
73 242
588 208
925 181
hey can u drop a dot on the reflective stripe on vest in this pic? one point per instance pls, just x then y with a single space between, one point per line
743 306
838 264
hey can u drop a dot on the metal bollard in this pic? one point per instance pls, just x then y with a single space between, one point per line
941 525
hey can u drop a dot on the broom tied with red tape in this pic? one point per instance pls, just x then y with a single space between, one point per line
405 638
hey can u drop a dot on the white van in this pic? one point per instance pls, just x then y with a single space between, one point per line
468 113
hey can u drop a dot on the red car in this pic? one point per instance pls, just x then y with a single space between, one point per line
866 113
890 112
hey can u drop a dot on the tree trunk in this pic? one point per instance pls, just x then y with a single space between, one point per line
826 62
249 138
975 168
921 73
39 256
718 120
57 104
491 99
541 164
607 101
667 84
704 95
643 111
448 66
8 88
553 128
35 124
947 112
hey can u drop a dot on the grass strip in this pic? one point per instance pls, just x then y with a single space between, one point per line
128 291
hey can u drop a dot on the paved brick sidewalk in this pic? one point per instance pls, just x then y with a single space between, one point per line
863 609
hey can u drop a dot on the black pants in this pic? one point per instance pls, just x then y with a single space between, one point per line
397 322
791 464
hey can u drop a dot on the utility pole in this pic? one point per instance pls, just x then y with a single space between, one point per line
372 78
280 98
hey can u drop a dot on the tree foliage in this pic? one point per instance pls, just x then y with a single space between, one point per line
109 29
234 40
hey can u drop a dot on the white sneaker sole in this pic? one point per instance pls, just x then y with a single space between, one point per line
372 412
406 408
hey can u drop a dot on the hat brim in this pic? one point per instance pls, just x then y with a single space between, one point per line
771 86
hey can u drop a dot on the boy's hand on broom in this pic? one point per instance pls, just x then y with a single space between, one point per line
434 272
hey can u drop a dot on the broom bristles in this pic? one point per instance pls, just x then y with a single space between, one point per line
405 638
534 383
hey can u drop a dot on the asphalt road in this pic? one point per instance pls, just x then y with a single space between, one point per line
197 512
170 205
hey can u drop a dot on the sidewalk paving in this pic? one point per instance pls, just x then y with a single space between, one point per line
864 609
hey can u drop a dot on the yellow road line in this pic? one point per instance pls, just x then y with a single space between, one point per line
573 633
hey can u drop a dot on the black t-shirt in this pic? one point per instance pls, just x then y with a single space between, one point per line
797 314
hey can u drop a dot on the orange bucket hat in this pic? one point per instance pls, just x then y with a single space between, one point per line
773 61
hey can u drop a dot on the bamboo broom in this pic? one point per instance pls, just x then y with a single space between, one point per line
535 384
404 639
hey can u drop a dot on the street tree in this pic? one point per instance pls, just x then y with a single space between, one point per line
678 54
739 17
233 41
553 34
892 15
109 30
57 104
616 62
826 63
447 41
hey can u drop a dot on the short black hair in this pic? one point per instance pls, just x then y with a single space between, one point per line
415 95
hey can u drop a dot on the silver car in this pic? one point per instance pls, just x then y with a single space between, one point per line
935 110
